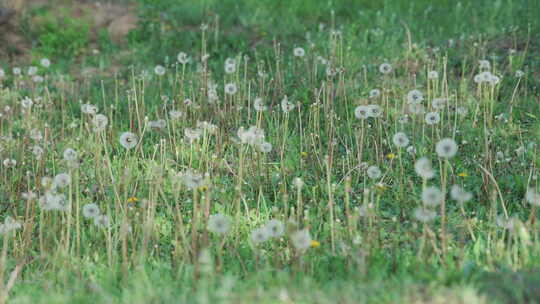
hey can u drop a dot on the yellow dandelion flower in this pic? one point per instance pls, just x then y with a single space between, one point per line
132 200
463 174
304 154
203 188
391 156
315 244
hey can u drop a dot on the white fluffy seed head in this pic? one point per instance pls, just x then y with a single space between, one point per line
423 168
128 140
446 148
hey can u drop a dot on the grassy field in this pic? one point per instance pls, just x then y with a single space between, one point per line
273 152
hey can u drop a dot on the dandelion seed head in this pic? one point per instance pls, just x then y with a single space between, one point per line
70 155
301 240
99 123
374 172
286 105
401 140
128 140
532 197
432 196
183 58
45 62
275 228
230 88
90 211
459 194
219 224
374 93
265 147
433 75
299 52
385 68
361 112
61 180
415 97
102 221
374 111
423 168
432 118
446 148
424 215
159 70
258 105
259 236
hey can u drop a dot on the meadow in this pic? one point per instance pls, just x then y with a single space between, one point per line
274 152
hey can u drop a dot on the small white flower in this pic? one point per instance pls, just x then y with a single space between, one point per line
128 140
423 168
519 74
17 71
446 148
401 140
374 172
2 73
90 211
299 52
219 224
159 70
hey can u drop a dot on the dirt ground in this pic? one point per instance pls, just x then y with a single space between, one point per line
117 18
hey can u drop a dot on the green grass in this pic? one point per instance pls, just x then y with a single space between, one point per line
159 245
